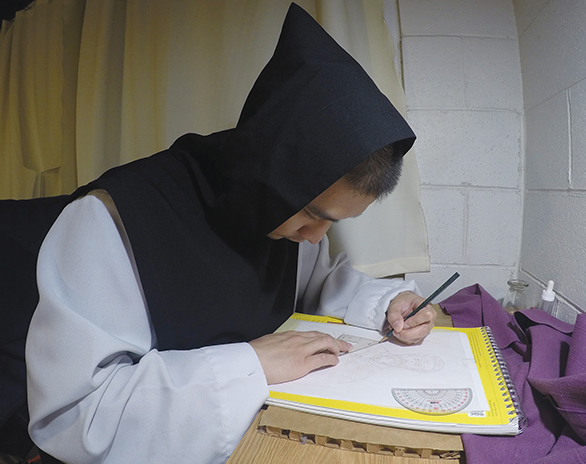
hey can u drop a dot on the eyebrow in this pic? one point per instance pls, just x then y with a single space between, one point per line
320 214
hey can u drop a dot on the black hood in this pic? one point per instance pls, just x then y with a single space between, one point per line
198 214
312 115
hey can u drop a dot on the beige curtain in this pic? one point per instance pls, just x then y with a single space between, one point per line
86 85
30 103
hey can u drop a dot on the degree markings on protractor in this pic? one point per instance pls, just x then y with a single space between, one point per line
437 401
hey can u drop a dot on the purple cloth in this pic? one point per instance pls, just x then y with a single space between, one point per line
547 362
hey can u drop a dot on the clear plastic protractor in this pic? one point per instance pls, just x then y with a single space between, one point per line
433 401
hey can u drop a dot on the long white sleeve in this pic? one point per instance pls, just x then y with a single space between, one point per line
333 287
99 391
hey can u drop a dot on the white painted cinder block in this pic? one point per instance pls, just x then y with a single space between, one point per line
554 241
553 46
445 210
565 311
492 278
578 125
478 148
494 227
434 72
486 18
526 11
547 156
464 100
492 73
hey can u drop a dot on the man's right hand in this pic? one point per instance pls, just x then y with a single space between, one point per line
290 355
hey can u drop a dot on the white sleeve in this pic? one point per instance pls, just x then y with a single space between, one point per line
99 392
333 287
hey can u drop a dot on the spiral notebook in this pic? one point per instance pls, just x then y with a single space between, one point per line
455 381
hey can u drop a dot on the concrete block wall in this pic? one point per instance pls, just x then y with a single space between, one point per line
552 42
462 79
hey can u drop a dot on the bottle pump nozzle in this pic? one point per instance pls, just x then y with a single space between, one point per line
548 294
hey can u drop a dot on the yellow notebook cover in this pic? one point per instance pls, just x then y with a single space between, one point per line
454 381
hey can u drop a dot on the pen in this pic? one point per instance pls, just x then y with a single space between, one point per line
425 302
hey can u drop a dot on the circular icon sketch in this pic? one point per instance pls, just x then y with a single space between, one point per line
412 362
439 401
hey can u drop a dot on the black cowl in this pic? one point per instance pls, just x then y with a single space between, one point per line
197 215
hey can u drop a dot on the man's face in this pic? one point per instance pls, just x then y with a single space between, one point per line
312 222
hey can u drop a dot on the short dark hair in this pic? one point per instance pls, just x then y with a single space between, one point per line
377 175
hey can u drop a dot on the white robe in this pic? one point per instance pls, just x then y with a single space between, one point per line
100 391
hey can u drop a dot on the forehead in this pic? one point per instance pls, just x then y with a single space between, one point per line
338 202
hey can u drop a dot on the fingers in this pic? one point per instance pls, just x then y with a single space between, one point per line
319 342
426 316
401 306
291 355
417 327
323 350
320 360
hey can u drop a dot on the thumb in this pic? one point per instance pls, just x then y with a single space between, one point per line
397 323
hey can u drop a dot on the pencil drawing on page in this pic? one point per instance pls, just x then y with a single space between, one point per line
412 362
438 376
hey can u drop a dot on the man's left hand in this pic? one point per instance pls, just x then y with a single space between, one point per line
416 328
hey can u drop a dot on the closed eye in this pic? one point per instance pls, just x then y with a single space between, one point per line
316 215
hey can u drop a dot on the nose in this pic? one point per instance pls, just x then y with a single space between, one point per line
313 233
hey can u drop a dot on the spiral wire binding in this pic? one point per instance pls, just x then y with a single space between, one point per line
505 382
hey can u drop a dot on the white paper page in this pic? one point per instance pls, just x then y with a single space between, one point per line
442 361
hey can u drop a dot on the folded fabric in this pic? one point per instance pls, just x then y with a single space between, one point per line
547 362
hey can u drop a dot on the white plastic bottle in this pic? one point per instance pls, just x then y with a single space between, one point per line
548 302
